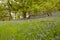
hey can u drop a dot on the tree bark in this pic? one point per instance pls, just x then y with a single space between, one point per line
24 15
9 10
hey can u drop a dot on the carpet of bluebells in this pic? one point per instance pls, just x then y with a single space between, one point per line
36 29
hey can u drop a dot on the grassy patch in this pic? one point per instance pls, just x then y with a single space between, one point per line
36 29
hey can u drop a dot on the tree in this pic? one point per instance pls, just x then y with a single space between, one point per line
3 11
23 5
32 7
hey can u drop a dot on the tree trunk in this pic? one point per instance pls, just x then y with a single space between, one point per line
24 15
10 16
9 10
29 15
49 14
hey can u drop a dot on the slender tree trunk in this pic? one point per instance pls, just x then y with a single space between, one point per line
9 10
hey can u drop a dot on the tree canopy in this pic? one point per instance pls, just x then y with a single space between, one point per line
19 7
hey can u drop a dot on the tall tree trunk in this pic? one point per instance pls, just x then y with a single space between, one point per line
9 10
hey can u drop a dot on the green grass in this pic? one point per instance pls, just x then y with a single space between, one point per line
34 29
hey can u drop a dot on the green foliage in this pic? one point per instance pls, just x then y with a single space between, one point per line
3 11
30 6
